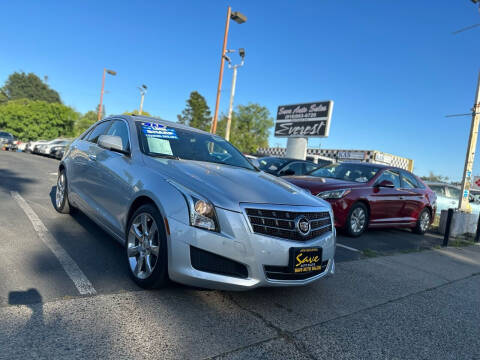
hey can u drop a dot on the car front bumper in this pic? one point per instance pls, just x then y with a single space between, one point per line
237 242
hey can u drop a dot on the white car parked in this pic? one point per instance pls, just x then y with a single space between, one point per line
448 197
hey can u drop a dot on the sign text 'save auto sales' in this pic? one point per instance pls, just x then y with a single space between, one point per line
304 120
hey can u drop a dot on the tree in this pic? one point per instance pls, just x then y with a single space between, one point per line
28 86
196 113
135 112
250 127
85 121
435 178
31 120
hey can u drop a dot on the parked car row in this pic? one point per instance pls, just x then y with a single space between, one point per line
53 148
189 207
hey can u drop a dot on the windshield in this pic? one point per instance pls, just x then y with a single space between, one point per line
350 172
6 135
164 141
272 164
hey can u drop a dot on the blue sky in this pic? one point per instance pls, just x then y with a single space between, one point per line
393 68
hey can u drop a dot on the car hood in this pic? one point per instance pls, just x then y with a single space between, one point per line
318 184
227 186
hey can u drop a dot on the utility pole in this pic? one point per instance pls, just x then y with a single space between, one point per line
464 204
143 91
232 92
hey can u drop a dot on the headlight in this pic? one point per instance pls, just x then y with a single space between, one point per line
333 194
201 211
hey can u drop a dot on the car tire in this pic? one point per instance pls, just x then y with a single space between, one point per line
146 248
62 204
357 220
423 222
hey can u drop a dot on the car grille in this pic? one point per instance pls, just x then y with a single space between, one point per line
282 223
284 273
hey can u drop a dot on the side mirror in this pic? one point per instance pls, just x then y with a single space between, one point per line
385 184
111 142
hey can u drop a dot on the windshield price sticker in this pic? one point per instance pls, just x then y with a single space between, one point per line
158 131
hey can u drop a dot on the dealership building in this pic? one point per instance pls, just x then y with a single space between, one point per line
339 155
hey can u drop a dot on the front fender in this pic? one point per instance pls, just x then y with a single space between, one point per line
170 202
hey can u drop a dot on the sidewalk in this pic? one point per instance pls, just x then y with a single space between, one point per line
408 306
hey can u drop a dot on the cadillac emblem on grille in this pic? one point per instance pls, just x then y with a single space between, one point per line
303 225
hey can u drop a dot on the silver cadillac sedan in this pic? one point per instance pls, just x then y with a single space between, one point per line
189 207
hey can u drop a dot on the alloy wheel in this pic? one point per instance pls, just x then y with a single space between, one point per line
357 220
143 246
424 221
60 192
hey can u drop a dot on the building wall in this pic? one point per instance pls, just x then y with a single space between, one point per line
369 156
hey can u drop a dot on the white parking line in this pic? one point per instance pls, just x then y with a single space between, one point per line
83 285
348 247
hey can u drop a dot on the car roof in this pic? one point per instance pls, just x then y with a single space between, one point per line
134 118
283 158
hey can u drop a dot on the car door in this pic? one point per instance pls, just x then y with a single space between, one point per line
386 203
84 176
414 197
114 179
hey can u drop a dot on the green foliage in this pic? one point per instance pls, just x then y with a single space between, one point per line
435 178
250 127
197 113
135 112
31 120
84 122
28 86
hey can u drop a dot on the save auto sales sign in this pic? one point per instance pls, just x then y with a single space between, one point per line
304 120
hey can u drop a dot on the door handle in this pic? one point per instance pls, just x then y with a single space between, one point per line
92 157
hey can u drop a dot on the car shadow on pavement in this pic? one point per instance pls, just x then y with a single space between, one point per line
11 181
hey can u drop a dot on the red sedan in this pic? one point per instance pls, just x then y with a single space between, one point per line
369 195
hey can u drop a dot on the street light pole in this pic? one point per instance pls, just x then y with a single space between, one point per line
230 108
232 91
101 96
240 19
100 106
143 91
464 202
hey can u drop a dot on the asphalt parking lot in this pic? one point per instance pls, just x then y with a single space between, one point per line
364 311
